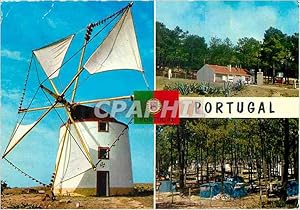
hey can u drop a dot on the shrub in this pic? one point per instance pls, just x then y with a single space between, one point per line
194 88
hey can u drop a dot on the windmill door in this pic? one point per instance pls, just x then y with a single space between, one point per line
102 183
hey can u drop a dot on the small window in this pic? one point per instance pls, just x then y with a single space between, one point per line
102 126
103 152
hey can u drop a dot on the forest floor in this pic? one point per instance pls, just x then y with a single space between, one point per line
249 90
164 200
20 198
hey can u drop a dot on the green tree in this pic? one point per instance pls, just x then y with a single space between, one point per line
195 48
222 52
274 51
248 50
291 58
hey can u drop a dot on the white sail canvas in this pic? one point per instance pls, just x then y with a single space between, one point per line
18 134
52 56
118 51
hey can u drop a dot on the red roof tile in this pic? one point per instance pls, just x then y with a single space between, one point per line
226 70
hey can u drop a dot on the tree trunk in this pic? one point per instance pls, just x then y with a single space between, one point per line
263 156
171 172
296 159
286 159
222 164
258 166
197 161
186 157
235 161
269 171
180 160
249 161
215 160
207 164
286 73
273 74
201 164
231 157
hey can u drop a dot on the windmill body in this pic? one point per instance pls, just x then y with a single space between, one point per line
113 176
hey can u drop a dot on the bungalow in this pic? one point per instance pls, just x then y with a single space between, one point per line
215 73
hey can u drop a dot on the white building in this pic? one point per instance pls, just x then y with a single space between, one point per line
215 73
113 175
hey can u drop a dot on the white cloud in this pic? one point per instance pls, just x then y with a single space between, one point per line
8 12
1 16
286 26
15 55
11 95
48 12
223 20
31 150
51 23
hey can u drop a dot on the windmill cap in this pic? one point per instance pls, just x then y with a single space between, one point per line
81 113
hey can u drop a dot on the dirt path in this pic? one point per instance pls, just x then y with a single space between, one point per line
267 91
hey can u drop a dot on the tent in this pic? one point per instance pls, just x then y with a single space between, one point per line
231 188
166 186
292 188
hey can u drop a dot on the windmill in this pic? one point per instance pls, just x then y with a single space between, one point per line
94 154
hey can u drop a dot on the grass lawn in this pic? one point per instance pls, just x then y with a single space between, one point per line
248 91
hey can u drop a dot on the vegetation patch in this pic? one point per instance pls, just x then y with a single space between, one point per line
143 189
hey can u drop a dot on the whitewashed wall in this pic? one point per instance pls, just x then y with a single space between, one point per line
74 162
205 74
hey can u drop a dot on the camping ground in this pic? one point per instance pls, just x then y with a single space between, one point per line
230 163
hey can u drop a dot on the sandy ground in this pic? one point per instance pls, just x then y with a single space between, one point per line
267 91
11 199
164 200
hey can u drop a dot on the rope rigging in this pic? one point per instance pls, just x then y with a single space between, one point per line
88 33
113 17
21 102
68 130
89 30
25 84
88 39
24 173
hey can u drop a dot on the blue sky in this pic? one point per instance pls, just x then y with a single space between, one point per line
233 19
27 26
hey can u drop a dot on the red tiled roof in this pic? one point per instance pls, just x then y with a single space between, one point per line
226 70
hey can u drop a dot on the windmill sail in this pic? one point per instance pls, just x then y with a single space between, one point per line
118 51
52 56
18 133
